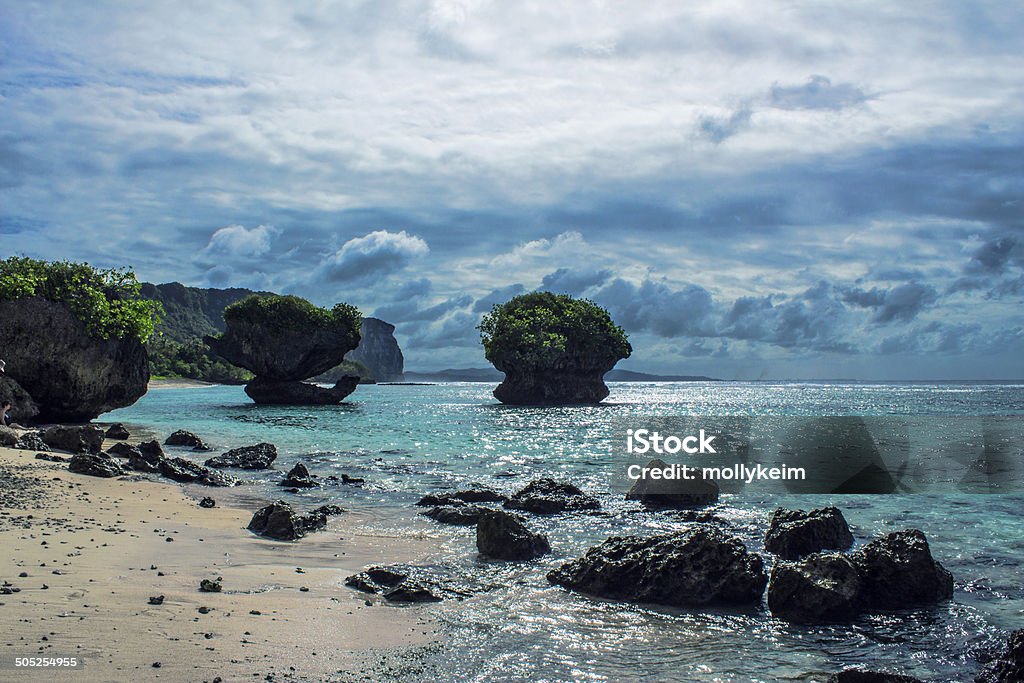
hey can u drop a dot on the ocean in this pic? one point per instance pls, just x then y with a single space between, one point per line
409 440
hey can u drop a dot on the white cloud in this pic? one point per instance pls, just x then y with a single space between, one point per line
236 240
374 255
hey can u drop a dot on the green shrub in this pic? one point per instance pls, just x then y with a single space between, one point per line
106 301
542 330
193 360
292 312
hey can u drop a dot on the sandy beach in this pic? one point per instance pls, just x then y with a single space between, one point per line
88 553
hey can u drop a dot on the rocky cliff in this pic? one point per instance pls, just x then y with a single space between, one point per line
378 350
72 375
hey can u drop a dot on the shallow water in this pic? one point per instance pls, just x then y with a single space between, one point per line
409 440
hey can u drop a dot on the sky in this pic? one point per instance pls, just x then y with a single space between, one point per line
753 189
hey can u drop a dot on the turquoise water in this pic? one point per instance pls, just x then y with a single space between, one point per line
409 440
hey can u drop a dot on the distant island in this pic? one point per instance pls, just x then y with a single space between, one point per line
492 375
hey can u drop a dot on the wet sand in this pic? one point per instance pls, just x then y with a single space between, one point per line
93 551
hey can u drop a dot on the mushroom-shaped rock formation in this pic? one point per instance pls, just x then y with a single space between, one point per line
553 349
283 340
73 338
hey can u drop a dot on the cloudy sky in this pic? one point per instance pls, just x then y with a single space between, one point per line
752 188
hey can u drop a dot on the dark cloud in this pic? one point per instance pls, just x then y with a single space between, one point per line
901 303
994 254
658 308
497 296
574 281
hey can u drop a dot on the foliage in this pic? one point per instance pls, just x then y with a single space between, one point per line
292 312
193 360
345 368
542 330
106 301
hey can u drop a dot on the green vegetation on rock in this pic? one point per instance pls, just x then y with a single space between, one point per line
106 301
293 312
541 330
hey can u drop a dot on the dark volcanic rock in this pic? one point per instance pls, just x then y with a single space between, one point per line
23 408
211 585
32 441
279 521
122 450
700 565
49 457
207 502
298 477
898 571
820 588
410 591
577 387
74 439
145 461
547 497
117 431
95 465
459 515
292 393
1009 666
186 439
394 584
70 374
505 537
258 457
795 533
477 494
376 579
186 471
673 493
863 676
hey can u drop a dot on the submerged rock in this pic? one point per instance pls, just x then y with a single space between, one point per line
505 537
186 471
298 477
673 493
117 431
258 457
476 494
186 439
410 591
458 515
820 588
74 439
898 570
700 565
795 533
548 497
70 374
1008 667
95 465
